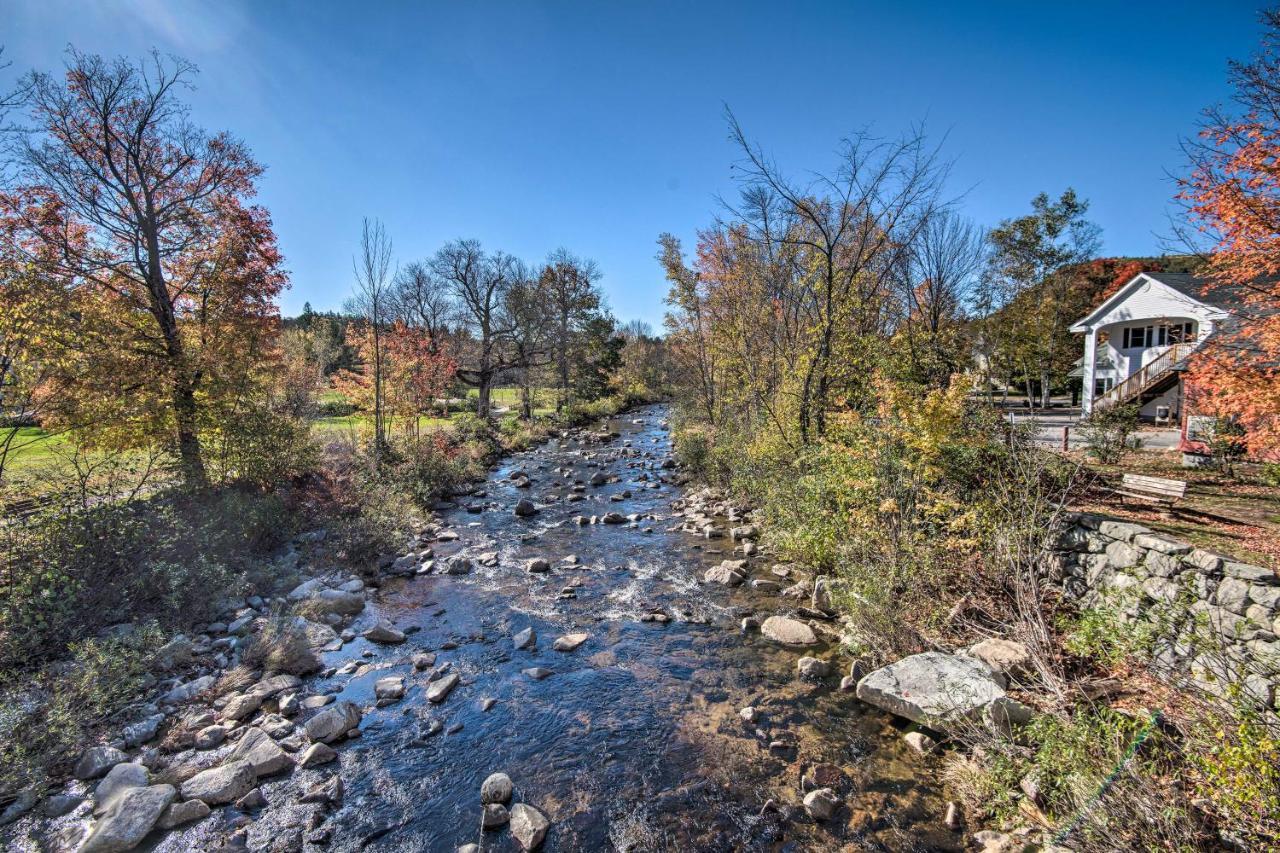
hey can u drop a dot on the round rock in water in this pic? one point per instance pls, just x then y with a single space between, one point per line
496 789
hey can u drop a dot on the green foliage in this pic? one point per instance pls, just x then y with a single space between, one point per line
1103 634
47 716
170 558
1107 432
1236 755
470 428
1271 474
1228 444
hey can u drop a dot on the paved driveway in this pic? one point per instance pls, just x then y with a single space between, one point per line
1048 430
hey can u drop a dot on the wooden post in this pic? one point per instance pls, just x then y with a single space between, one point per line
1066 435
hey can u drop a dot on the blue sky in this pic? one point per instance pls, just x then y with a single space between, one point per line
598 125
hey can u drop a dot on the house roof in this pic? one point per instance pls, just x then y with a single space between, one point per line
1190 286
1225 296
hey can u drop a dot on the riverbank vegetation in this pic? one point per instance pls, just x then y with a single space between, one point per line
823 334
165 432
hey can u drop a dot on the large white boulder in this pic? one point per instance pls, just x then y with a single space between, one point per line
932 688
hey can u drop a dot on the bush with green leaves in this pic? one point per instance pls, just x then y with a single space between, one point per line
1108 432
171 558
48 714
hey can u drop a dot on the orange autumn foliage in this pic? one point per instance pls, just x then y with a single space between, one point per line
1233 197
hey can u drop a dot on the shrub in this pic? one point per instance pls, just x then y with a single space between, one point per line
47 716
1271 474
1236 757
1228 444
336 409
429 469
1103 634
1107 432
170 558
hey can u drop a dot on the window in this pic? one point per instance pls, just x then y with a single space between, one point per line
1137 337
1179 333
1102 386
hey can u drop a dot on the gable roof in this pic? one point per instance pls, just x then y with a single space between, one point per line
1190 286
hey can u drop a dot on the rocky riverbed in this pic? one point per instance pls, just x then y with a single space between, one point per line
639 673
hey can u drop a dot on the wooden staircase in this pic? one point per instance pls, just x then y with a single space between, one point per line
1151 377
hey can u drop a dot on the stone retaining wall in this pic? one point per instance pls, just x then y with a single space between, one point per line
1217 617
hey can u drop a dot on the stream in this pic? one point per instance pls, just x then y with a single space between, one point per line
634 742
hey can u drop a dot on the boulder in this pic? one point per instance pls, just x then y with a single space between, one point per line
525 639
220 785
261 753
333 722
538 565
338 601
384 633
182 813
494 816
317 754
528 826
389 689
1004 656
788 631
130 818
812 669
524 508
932 688
241 706
190 690
97 760
726 573
496 788
121 778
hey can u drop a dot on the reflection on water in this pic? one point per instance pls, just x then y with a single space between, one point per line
634 742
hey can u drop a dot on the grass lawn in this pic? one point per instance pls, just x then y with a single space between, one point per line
362 423
32 447
544 400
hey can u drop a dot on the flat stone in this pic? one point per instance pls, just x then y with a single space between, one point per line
129 820
725 573
932 688
261 753
389 689
537 673
788 631
220 785
569 642
1160 542
440 689
334 722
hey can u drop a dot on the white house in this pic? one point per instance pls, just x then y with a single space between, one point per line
1137 341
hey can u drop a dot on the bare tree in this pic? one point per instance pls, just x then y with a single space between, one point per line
373 303
938 284
423 301
480 283
856 226
533 322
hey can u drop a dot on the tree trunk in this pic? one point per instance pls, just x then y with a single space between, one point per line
189 453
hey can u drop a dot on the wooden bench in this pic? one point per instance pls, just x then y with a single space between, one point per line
1156 490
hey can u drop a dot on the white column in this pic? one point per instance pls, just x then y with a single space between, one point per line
1090 355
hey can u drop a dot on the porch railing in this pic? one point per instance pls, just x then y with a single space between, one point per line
1146 376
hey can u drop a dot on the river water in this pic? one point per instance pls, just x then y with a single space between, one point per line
634 742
